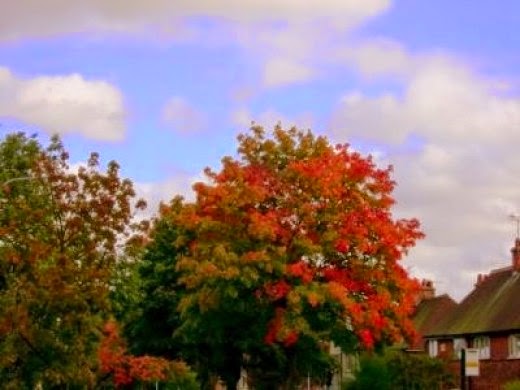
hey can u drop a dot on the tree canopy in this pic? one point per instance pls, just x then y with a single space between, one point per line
60 231
293 245
289 247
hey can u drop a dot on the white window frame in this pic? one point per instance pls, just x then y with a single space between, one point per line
433 348
513 343
459 343
483 344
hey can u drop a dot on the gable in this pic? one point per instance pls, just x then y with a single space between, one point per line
433 314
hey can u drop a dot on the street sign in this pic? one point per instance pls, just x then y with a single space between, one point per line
472 363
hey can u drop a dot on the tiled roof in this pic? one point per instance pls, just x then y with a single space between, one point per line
493 306
433 313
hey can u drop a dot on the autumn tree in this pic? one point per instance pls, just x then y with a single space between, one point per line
293 245
60 231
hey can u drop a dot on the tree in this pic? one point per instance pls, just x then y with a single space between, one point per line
151 331
60 232
293 244
153 328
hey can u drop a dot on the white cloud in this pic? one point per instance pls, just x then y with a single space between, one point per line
282 71
460 177
241 117
29 18
376 57
64 104
163 191
376 119
381 57
182 117
442 102
285 37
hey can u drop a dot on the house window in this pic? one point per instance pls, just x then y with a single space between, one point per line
458 345
514 346
433 348
482 344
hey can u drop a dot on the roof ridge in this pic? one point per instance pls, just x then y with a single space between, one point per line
502 269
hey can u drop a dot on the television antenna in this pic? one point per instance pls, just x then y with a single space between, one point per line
516 218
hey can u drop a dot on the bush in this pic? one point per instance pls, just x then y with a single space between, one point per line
373 374
513 385
399 370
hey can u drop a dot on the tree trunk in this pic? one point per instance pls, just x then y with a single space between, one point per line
233 369
293 378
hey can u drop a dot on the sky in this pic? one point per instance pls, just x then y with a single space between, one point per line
431 87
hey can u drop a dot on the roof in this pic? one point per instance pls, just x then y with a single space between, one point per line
432 313
492 306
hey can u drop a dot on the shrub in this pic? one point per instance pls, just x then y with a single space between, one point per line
373 374
399 370
513 385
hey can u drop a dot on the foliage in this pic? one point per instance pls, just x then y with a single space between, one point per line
418 371
373 374
125 289
290 246
154 329
268 364
513 385
151 331
59 236
293 244
398 370
126 369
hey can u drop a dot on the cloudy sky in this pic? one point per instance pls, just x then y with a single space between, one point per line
163 87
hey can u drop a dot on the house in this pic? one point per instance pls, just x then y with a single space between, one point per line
487 319
431 313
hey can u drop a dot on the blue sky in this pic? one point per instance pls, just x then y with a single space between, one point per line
163 87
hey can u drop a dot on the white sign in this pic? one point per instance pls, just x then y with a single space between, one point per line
472 364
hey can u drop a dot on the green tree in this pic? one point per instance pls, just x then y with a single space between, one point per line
60 232
152 329
292 245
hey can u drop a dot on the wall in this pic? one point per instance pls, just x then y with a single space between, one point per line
493 374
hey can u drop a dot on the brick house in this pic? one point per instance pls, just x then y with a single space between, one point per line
488 319
432 312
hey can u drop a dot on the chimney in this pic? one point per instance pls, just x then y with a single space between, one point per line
427 291
515 255
481 278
